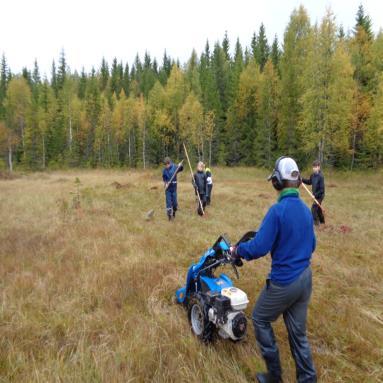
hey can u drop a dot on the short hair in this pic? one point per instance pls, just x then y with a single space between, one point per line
167 160
291 184
316 163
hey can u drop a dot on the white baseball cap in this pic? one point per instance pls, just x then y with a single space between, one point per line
288 169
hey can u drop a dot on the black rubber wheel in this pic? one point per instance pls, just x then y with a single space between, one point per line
201 327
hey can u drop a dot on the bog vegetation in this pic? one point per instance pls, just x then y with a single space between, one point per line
86 284
319 93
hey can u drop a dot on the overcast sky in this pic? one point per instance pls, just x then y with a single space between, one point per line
89 29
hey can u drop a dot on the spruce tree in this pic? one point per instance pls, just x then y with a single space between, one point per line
226 46
82 85
363 21
3 85
236 70
126 80
262 50
148 77
104 74
275 53
115 79
62 71
54 83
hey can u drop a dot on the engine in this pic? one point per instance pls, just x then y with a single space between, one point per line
226 312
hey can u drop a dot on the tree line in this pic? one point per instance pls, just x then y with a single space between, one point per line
318 95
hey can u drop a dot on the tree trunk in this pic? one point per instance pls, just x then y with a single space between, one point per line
109 151
143 145
129 154
70 134
10 163
210 152
269 148
22 136
353 150
43 152
202 150
321 150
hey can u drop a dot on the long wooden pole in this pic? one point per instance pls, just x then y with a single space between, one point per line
191 172
150 213
312 196
174 174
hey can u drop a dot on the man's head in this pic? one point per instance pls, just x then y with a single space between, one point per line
167 162
200 166
285 174
316 166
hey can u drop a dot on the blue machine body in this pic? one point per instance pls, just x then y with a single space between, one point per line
198 276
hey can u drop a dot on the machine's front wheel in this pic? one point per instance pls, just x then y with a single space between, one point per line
199 321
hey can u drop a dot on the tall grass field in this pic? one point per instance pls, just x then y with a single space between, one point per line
87 283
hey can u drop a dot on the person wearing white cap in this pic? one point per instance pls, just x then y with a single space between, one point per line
287 232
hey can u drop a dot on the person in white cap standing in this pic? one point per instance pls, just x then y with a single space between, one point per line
287 232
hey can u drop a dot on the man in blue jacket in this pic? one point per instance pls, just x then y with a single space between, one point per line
169 176
287 232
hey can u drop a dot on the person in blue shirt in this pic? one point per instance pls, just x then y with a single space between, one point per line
287 233
169 176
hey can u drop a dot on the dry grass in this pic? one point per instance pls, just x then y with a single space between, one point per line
86 289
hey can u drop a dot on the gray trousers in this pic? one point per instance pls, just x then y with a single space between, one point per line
291 301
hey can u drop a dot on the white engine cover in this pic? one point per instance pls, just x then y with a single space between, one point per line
226 330
238 298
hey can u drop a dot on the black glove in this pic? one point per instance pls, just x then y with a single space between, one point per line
237 261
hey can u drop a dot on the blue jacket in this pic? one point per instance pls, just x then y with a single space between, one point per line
167 174
287 232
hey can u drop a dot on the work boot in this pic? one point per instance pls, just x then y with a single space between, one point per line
174 214
266 377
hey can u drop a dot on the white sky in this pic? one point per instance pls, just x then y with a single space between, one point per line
91 29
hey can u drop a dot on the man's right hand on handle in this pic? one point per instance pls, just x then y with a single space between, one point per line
237 261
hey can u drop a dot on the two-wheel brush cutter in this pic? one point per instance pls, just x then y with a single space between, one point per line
214 304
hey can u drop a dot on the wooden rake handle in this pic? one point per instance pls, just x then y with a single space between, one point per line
313 197
191 172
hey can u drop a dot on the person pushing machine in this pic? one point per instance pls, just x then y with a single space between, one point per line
287 232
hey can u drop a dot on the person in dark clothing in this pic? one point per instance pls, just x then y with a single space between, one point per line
169 176
209 180
200 185
316 181
287 232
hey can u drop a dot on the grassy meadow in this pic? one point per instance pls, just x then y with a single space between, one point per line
87 284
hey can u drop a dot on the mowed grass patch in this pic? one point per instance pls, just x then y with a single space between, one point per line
86 290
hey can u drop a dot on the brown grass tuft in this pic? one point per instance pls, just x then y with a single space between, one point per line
86 289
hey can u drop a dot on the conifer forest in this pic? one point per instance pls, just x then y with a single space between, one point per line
315 94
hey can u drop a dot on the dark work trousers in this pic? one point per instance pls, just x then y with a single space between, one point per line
208 195
317 213
291 301
203 200
171 201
